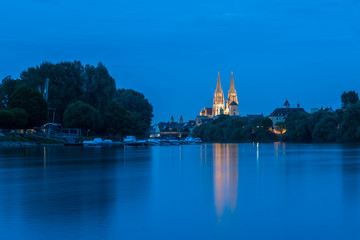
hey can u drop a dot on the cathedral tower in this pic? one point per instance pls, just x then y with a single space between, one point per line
219 102
232 96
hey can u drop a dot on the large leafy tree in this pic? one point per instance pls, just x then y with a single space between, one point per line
297 128
6 119
70 82
20 118
326 129
140 108
99 87
7 86
118 120
15 118
350 126
82 115
33 103
349 98
65 83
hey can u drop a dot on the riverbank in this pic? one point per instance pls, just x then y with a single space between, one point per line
25 140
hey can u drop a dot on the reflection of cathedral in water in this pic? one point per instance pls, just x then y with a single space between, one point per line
225 177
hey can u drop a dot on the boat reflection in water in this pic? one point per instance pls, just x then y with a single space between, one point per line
225 159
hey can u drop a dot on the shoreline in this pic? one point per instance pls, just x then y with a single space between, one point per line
26 141
15 144
27 144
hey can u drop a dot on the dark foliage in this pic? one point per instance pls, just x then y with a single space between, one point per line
349 98
350 126
70 82
139 107
82 115
33 103
6 119
9 85
324 126
118 120
20 118
235 129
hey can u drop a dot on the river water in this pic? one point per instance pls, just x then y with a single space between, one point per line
209 191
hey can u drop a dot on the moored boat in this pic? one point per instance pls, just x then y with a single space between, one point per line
141 142
98 140
189 140
110 143
153 142
129 140
90 143
164 142
173 141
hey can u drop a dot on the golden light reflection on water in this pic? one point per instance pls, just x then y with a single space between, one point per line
44 157
225 157
257 155
277 145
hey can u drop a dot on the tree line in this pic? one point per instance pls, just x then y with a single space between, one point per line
83 97
342 125
235 129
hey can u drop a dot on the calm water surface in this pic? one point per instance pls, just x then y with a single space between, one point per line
210 191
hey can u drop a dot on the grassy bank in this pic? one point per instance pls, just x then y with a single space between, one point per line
11 139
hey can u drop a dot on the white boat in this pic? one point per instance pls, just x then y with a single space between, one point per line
93 143
189 140
164 142
129 140
174 142
198 140
153 142
140 142
90 143
109 143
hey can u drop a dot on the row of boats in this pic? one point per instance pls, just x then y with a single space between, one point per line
131 141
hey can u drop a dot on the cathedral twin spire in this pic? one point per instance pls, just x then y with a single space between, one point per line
232 96
218 85
219 102
232 86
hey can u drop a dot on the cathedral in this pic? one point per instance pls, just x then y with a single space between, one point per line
230 107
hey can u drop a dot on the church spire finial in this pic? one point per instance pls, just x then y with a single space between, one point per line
232 96
232 86
218 85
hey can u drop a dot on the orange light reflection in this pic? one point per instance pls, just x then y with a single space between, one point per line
225 159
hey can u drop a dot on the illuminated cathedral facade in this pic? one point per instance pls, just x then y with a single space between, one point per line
230 107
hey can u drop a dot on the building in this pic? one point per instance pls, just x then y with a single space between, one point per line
202 119
172 128
280 114
206 112
230 107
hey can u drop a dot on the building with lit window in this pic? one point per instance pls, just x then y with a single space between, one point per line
280 114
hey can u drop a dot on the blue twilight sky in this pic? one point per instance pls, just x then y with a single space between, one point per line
306 51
